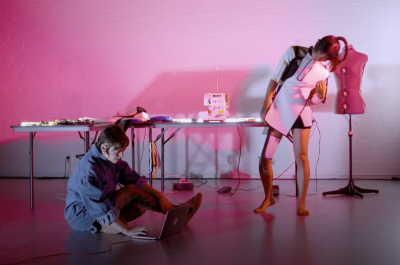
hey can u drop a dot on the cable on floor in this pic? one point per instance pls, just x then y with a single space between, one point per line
67 253
316 167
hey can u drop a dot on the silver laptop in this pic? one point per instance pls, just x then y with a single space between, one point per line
173 224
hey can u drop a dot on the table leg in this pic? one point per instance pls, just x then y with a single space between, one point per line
163 143
295 174
151 166
162 161
133 147
31 136
87 140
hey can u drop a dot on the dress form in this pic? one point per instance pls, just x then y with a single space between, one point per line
348 75
349 100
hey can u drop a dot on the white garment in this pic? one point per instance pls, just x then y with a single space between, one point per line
293 97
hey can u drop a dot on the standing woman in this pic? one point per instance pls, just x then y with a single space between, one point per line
299 80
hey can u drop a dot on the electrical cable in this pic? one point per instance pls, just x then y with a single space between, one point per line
94 140
319 152
154 158
313 130
204 184
316 167
141 157
80 136
67 253
65 168
276 177
60 197
240 154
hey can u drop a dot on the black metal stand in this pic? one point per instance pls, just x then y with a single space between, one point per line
350 189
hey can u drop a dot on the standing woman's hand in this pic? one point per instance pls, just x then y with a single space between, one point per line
321 89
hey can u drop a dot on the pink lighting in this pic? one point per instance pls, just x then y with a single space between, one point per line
66 60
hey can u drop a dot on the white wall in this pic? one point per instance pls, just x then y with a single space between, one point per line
70 59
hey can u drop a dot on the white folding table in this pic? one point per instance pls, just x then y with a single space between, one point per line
32 130
87 128
177 126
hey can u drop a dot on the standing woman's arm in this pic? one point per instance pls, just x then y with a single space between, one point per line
318 94
268 96
276 77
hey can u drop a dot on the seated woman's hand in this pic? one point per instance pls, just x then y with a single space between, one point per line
164 204
321 89
137 231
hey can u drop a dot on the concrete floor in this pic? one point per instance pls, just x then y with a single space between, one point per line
340 230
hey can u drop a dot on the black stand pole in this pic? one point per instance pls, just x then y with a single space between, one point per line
350 189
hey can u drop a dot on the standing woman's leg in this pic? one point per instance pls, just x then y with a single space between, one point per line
266 175
272 140
300 147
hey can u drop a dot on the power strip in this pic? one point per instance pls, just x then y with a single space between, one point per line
183 184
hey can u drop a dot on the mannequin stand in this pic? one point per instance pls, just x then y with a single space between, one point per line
350 189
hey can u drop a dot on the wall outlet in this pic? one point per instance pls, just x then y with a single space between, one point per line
273 161
230 159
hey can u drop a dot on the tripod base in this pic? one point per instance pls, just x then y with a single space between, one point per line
350 189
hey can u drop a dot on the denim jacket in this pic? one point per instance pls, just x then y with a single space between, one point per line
91 190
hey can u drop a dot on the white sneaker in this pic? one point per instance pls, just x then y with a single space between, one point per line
109 230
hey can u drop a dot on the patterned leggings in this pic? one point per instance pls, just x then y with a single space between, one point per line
133 202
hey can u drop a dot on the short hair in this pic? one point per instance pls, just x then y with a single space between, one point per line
112 135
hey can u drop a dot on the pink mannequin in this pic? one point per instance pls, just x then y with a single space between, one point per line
349 100
348 75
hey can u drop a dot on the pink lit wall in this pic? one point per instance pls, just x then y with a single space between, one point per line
71 59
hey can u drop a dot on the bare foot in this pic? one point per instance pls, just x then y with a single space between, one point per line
266 203
301 210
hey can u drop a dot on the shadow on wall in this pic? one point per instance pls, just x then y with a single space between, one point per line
204 150
253 89
180 95
376 133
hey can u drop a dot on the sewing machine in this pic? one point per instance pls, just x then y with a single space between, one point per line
217 104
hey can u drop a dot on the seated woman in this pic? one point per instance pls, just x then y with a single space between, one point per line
93 203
